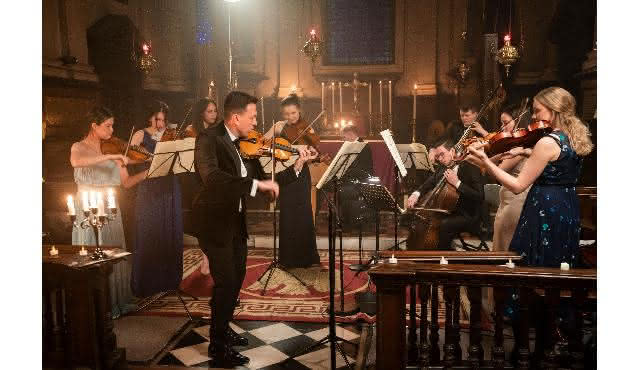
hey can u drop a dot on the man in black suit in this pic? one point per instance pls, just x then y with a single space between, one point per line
468 181
219 211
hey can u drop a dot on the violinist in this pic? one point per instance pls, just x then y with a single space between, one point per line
220 212
469 183
468 117
158 228
548 230
93 170
205 113
299 249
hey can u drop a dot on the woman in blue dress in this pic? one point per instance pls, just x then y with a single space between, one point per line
158 241
95 171
548 231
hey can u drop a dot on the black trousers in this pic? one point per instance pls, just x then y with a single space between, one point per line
228 265
451 226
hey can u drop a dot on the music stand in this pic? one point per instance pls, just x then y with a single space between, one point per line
171 157
400 169
338 167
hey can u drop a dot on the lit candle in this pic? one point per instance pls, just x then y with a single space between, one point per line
369 97
82 252
564 266
93 202
443 261
380 85
210 95
100 204
333 97
53 251
415 88
340 91
393 259
111 199
510 264
389 98
322 95
85 201
70 206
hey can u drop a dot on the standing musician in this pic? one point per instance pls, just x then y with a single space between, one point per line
469 183
297 210
219 210
455 129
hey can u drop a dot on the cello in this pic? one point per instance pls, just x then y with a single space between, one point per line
424 220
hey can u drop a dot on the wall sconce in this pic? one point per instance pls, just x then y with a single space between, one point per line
314 47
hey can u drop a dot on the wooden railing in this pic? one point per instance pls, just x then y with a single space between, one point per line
391 282
77 326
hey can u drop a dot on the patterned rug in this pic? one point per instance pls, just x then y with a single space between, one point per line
285 299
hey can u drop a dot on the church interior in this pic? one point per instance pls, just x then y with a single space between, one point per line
413 184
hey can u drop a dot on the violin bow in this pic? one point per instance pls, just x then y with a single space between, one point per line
308 127
184 120
521 112
129 142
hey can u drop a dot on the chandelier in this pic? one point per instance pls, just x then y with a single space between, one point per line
507 55
314 47
146 62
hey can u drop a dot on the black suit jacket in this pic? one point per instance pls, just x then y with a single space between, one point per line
215 206
471 189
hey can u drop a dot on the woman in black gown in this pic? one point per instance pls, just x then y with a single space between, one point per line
297 232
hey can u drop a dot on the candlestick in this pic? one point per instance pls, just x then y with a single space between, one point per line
333 98
96 219
380 85
370 98
111 199
340 91
415 88
71 208
390 100
322 95
85 201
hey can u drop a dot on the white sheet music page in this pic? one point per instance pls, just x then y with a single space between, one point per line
388 139
416 151
162 159
185 149
339 159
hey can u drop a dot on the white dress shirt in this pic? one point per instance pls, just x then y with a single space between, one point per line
243 169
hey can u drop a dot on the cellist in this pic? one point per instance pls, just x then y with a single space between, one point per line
469 183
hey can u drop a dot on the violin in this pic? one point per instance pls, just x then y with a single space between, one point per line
500 142
114 145
255 146
300 132
175 134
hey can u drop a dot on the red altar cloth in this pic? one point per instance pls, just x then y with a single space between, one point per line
383 165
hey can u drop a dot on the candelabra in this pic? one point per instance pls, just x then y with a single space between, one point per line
94 217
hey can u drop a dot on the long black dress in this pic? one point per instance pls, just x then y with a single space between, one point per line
297 233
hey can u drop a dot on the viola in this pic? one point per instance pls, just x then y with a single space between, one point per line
114 145
255 146
500 142
175 134
300 133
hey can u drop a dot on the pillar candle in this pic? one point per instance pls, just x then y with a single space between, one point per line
414 100
389 98
333 98
100 204
70 206
111 199
322 94
340 92
369 97
380 85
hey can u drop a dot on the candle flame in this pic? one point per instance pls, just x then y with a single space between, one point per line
507 37
313 32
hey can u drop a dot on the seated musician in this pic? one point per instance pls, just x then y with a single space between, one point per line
362 166
468 181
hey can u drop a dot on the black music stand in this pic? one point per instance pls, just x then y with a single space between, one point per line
171 157
399 169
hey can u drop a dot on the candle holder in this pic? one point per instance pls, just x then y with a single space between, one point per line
96 222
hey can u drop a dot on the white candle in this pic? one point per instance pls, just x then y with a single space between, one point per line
93 202
333 98
82 252
369 97
85 201
389 98
380 85
393 259
510 264
340 91
70 206
100 204
415 88
443 261
564 266
111 199
322 95
53 251
210 94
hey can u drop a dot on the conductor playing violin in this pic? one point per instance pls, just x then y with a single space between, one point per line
219 214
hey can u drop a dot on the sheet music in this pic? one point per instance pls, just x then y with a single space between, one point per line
162 159
419 153
186 150
388 139
338 162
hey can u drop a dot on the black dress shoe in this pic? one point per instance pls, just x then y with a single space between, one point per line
226 357
236 339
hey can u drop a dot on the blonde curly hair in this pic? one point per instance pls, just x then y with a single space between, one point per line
563 105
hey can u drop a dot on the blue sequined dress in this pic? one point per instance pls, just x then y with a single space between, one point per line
158 242
548 231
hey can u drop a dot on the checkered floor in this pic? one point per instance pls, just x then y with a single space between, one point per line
270 345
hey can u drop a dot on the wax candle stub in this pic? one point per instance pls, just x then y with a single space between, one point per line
53 251
393 259
83 252
564 266
443 261
510 264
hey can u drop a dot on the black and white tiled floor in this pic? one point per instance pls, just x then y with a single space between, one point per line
270 345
